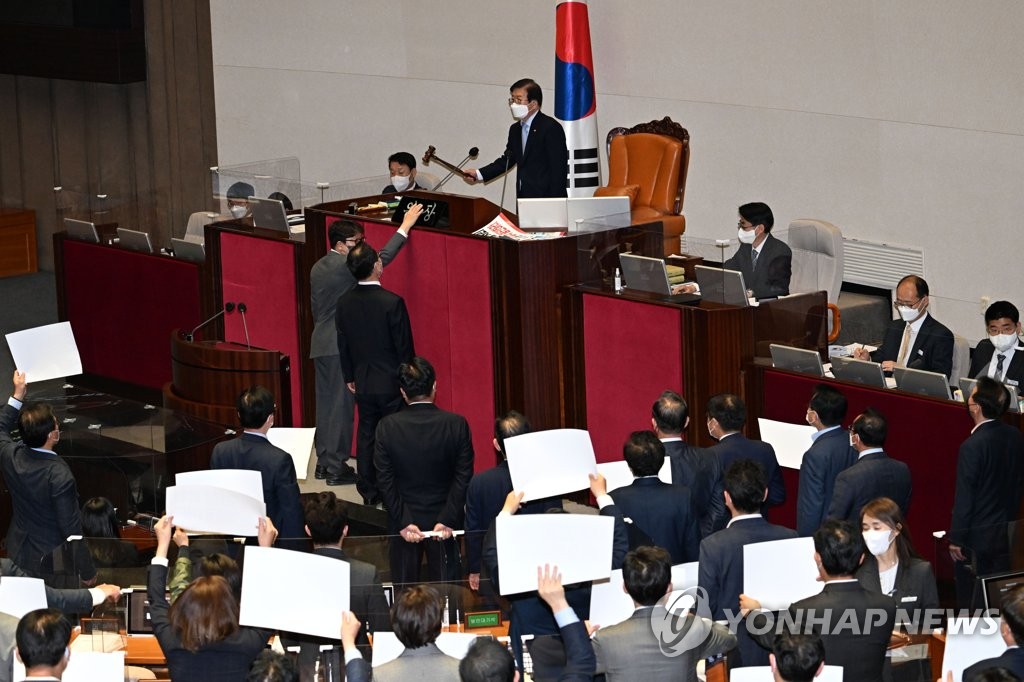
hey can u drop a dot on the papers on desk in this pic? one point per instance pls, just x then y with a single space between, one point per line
503 228
296 442
45 353
86 666
618 475
969 640
387 648
18 596
284 590
549 463
790 441
209 509
610 604
780 572
580 545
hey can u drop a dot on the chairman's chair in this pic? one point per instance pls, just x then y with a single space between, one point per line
818 264
648 163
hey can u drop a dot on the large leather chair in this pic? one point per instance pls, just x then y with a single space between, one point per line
648 163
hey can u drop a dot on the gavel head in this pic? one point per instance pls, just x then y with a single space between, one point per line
429 155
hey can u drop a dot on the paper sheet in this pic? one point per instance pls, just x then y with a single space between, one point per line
244 481
18 596
780 572
611 604
296 442
47 352
86 666
790 441
387 648
206 509
759 673
301 604
550 463
969 640
618 475
526 542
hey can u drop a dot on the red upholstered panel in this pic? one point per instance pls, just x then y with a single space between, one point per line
123 305
261 273
633 352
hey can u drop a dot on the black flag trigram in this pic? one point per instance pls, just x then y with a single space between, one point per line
584 169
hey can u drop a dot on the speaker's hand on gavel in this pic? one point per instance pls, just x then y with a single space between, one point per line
469 176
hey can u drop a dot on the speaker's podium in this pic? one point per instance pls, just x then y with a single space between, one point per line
208 376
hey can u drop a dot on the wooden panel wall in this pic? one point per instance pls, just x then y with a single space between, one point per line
147 146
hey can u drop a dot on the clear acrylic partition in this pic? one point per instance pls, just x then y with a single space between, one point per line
268 177
340 190
604 238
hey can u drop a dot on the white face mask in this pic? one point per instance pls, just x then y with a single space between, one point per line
400 182
909 314
1003 342
878 541
519 111
746 236
239 211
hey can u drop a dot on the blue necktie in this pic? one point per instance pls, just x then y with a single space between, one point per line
526 134
753 259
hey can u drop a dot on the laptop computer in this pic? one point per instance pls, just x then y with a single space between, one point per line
82 230
186 250
722 286
800 360
642 273
134 240
995 586
546 214
967 388
858 371
269 214
934 384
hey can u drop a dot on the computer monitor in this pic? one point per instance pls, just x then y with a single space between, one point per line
995 586
134 240
186 250
858 371
797 359
545 214
644 274
269 214
722 286
137 617
934 384
82 230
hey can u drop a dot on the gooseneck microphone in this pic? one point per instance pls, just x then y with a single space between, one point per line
473 151
241 309
228 307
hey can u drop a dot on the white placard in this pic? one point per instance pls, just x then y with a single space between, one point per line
296 442
969 640
286 590
47 352
206 509
618 475
611 604
580 545
550 463
780 572
244 481
86 666
763 673
790 441
387 648
18 596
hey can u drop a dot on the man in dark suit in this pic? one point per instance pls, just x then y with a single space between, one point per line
1001 355
254 452
766 262
916 340
416 620
797 658
536 147
374 338
662 512
329 280
989 471
727 414
424 459
720 568
402 170
1011 628
44 495
829 454
873 475
696 468
43 637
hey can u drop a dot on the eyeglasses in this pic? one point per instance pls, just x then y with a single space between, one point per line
354 241
746 226
518 100
905 304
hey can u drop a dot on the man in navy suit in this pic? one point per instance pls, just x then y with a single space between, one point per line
989 471
766 262
254 452
696 468
720 571
536 147
1011 627
1000 355
873 475
829 454
727 414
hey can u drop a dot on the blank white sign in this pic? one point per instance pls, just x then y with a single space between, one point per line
45 353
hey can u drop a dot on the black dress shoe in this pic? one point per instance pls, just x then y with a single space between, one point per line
343 478
320 472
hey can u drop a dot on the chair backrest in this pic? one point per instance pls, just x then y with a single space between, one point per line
817 257
654 155
961 359
426 179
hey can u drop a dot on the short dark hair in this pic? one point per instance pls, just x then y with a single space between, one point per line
871 427
1012 607
361 259
647 573
416 377
920 285
416 616
99 518
1001 309
487 660
757 213
35 422
283 198
644 453
729 410
798 656
326 517
255 405
271 666
403 158
998 674
992 397
830 404
508 425
746 483
340 230
224 566
670 412
533 91
241 190
42 637
840 545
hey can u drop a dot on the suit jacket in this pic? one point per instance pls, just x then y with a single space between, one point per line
1011 659
374 338
329 280
737 446
932 350
872 476
280 488
8 630
770 279
425 663
543 168
915 588
69 601
665 513
579 654
828 455
989 473
44 501
701 472
424 460
631 650
981 358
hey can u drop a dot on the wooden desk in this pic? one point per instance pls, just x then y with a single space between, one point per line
17 242
143 650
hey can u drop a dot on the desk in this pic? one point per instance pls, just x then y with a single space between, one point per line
17 242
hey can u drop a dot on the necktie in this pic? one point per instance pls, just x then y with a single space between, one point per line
753 259
526 134
904 347
999 367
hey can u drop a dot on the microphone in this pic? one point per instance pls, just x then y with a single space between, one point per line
228 307
504 182
242 309
473 151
